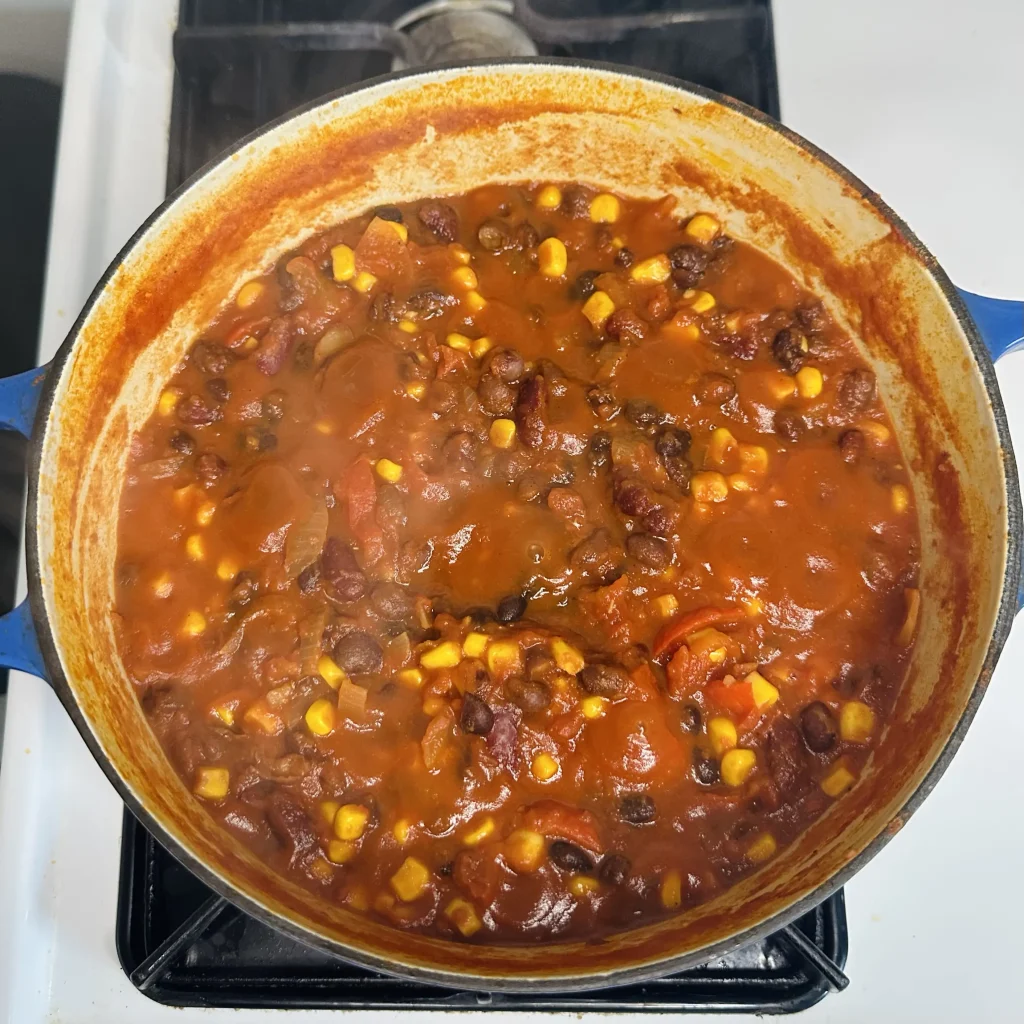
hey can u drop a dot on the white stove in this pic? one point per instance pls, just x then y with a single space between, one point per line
922 100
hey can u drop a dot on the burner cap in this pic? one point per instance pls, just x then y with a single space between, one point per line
449 30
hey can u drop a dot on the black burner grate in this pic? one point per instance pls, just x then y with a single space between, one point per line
185 947
239 64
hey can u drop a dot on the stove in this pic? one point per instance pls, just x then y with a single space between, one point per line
237 67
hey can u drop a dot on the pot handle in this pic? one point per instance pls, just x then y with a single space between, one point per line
1000 321
19 647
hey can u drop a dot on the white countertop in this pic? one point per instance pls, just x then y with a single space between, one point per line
920 98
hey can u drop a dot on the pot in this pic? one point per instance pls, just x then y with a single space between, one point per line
446 131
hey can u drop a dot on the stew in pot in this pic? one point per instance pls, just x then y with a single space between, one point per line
521 565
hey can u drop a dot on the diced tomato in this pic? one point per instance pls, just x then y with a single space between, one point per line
382 252
642 684
566 727
737 698
450 360
438 737
245 329
688 671
676 632
360 492
560 821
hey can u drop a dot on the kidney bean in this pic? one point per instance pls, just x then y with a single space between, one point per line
789 425
358 653
440 220
530 696
787 758
570 857
382 308
477 717
210 467
567 503
507 365
614 869
625 326
218 387
637 809
273 351
531 411
813 319
855 390
211 358
787 350
339 568
196 412
430 302
632 499
596 556
182 442
851 446
392 601
497 397
818 727
526 236
653 552
602 680
715 388
460 450
539 663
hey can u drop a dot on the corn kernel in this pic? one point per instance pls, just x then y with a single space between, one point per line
249 344
504 657
900 498
666 605
878 432
433 704
549 197
524 850
567 658
465 277
781 386
605 209
212 783
411 677
321 718
329 808
383 903
343 263
163 585
409 326
350 821
753 458
397 226
733 321
912 599
227 570
324 427
410 881
331 673
205 512
169 401
582 885
763 847
699 302
417 389
225 713
655 270
474 645
458 341
463 915
753 606
194 624
195 548
838 781
856 722
321 869
388 470
763 692
737 764
809 381
363 282
544 767
503 433
721 444
703 227
444 655
598 308
357 899
477 835
480 347
340 852
593 707
671 890
249 294
740 482
552 257
401 830
709 487
722 734
475 301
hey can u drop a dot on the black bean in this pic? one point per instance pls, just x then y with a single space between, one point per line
197 413
358 653
787 758
570 857
442 397
430 302
392 601
382 308
690 718
511 608
789 425
389 212
258 439
526 236
309 578
715 388
705 767
856 389
689 264
679 470
211 358
788 350
602 680
637 809
210 467
530 696
673 441
506 364
583 287
182 442
599 449
494 235
477 717
302 359
243 590
339 568
813 318
460 450
626 326
641 413
818 727
539 663
576 202
614 869
603 402
439 219
497 397
653 552
219 388
851 446
624 257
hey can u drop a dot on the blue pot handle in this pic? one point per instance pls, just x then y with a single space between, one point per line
19 648
1000 321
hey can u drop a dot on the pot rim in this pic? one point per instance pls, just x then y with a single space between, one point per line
545 983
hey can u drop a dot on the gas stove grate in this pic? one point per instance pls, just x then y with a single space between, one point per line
184 946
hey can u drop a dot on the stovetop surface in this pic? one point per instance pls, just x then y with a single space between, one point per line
237 67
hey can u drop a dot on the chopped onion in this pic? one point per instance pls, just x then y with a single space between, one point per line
437 737
912 596
305 540
351 699
160 469
311 632
333 340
